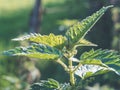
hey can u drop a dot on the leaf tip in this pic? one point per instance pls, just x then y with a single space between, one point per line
107 7
95 45
110 6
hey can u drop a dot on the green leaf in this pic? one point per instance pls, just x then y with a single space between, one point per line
108 60
84 42
105 56
49 84
86 71
92 62
57 41
35 51
80 29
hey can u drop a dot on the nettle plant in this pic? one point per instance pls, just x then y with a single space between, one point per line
63 49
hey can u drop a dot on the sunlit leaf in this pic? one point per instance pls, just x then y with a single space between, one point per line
80 29
57 41
35 51
108 60
91 70
84 42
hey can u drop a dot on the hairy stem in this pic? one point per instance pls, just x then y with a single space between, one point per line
72 78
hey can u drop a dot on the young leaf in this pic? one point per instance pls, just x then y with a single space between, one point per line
57 41
106 59
79 30
35 51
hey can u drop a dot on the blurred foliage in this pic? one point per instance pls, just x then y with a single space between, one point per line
14 17
14 20
116 27
98 87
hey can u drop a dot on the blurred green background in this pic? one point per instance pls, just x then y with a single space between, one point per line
16 73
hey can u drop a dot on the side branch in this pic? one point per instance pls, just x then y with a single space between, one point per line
63 65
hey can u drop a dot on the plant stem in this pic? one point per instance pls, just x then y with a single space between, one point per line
63 65
72 78
77 67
